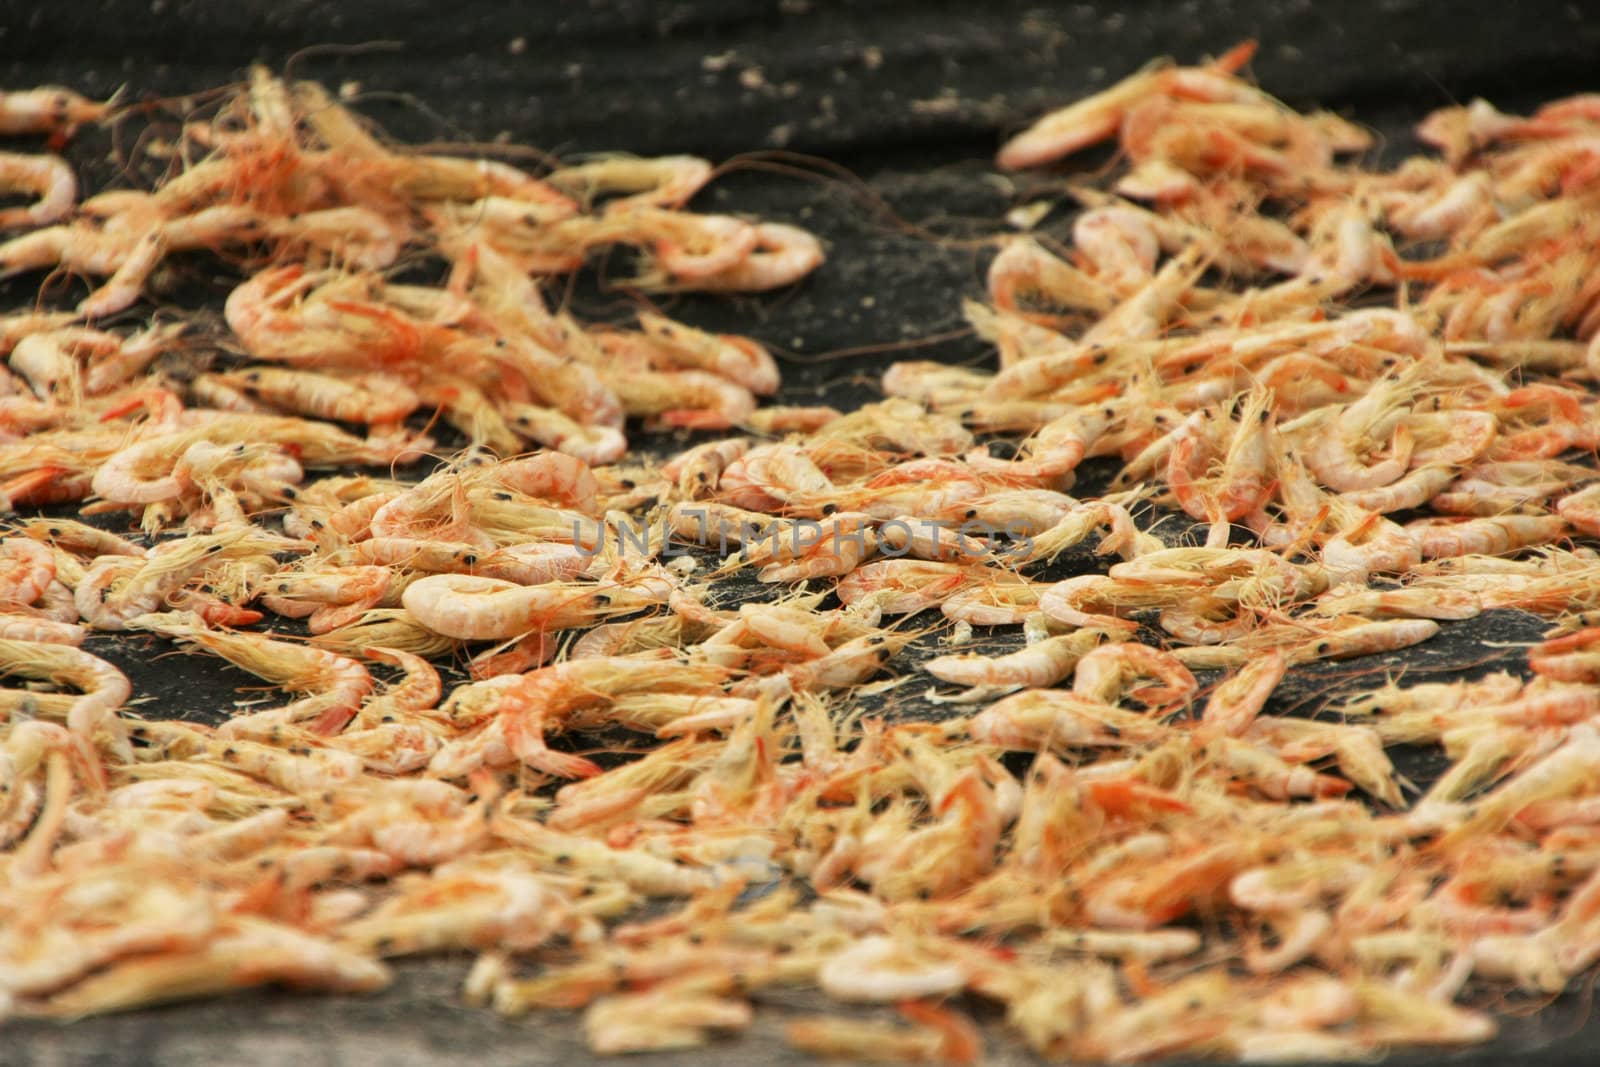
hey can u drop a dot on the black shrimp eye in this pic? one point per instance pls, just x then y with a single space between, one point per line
829 509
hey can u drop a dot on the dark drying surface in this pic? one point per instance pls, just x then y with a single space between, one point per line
912 97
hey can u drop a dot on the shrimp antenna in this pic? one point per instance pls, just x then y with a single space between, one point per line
342 51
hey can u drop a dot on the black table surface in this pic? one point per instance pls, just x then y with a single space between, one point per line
871 123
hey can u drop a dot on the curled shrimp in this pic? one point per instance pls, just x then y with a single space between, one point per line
1103 672
783 255
738 359
47 177
105 688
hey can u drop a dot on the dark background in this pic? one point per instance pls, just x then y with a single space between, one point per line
907 102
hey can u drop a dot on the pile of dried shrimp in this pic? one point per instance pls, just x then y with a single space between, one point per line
1284 345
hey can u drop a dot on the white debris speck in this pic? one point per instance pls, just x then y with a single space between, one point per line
939 105
752 78
517 46
349 90
1028 216
780 135
716 64
872 57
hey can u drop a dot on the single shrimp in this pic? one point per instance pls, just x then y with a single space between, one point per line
1039 665
1494 536
1582 508
673 1014
26 570
1236 701
328 598
49 631
1023 272
366 398
902 586
1002 602
337 683
1248 466
1337 456
1068 602
126 284
544 697
689 399
1371 544
47 109
105 688
938 1035
783 255
47 177
1411 490
122 477
473 608
689 247
555 476
660 181
1363 639
738 359
877 968
1103 672
1121 244
1051 719
553 429
1416 602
